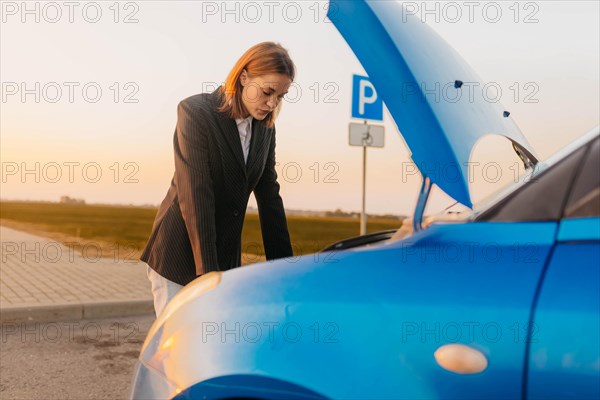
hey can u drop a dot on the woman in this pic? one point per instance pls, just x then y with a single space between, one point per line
224 147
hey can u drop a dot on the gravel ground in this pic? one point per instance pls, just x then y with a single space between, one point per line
86 359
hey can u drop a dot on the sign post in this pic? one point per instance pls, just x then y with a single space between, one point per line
363 212
365 105
365 135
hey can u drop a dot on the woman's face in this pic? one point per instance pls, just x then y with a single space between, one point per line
261 94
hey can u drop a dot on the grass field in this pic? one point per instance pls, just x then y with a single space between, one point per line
124 230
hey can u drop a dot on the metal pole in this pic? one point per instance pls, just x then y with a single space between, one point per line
363 214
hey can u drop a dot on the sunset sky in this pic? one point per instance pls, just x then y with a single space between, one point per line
543 55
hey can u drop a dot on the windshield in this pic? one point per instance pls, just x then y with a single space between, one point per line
453 211
503 191
530 174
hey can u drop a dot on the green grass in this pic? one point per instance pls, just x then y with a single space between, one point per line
131 226
312 234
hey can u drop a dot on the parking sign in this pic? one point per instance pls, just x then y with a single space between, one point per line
365 102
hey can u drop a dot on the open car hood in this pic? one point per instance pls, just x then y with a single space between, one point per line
406 61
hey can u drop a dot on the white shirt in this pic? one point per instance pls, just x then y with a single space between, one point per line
245 129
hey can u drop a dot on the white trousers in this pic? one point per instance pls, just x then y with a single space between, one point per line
163 289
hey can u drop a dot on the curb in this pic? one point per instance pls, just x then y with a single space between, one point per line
75 311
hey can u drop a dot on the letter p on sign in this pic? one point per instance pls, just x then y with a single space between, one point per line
366 104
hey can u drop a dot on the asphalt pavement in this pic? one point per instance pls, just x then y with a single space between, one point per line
81 359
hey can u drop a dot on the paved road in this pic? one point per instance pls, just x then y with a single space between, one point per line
38 271
84 359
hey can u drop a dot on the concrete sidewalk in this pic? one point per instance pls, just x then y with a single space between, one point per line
42 280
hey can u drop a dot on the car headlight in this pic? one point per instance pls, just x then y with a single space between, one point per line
196 288
149 384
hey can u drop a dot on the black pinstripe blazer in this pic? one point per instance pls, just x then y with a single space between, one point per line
198 226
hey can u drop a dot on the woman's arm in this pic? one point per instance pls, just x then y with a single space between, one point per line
194 186
273 223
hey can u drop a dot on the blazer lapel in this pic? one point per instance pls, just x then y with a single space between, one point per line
232 135
259 142
259 147
256 143
230 132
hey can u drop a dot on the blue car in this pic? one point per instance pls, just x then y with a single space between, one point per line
501 302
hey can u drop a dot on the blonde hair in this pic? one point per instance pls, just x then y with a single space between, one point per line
261 59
